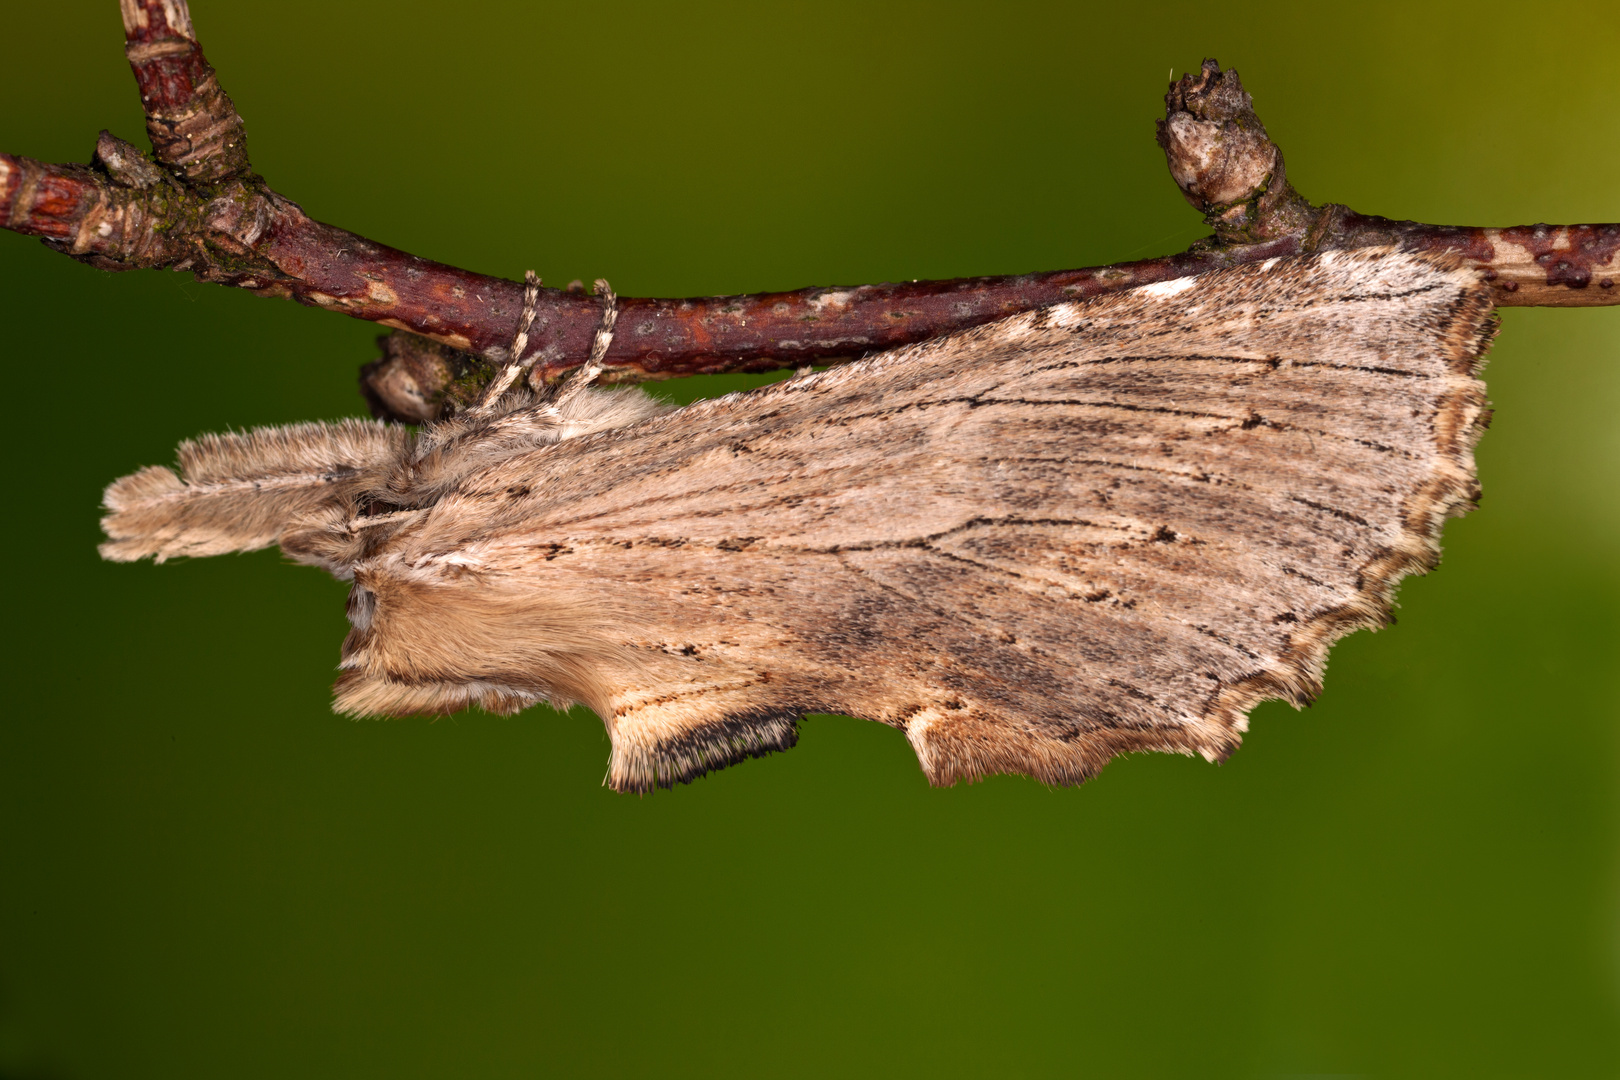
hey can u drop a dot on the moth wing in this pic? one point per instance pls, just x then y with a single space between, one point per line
1107 526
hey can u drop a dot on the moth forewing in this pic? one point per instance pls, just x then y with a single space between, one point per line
1110 525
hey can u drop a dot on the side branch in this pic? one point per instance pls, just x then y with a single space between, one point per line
194 128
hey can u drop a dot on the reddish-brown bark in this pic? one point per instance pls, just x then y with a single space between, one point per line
202 209
194 128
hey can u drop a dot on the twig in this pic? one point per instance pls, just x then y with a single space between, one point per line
200 208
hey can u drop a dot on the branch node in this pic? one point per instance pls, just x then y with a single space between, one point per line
1224 162
125 163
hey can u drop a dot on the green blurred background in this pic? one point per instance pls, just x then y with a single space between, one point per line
205 873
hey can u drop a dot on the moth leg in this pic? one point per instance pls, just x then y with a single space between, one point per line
241 492
520 341
508 420
576 383
570 390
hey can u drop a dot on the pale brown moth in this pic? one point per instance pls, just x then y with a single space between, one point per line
1105 526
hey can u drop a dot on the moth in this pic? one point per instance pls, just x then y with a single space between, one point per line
1105 526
